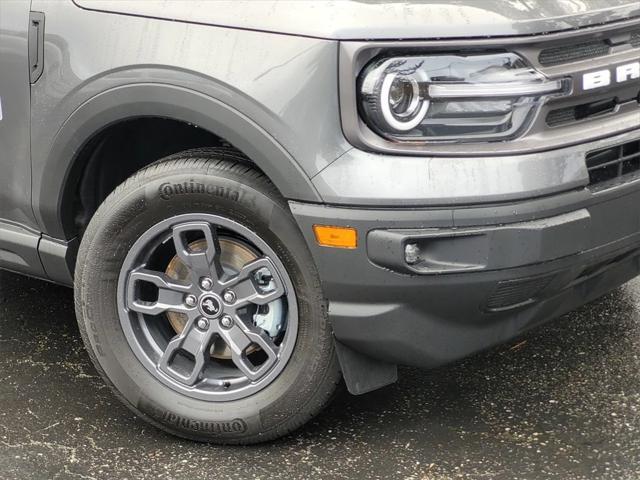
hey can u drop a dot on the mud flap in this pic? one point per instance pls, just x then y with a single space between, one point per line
363 374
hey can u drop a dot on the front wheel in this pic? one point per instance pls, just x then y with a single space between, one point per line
199 304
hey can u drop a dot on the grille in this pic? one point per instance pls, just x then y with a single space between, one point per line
582 51
514 293
572 53
561 116
613 162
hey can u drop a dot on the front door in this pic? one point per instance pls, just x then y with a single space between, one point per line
15 162
19 234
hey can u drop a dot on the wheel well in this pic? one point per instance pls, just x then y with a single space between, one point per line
120 150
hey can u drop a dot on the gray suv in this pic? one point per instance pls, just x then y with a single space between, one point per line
254 200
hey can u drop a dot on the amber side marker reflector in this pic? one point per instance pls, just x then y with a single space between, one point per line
338 237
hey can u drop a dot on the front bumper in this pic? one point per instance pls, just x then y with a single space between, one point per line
486 272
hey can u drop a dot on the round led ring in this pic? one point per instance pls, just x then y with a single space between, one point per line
392 118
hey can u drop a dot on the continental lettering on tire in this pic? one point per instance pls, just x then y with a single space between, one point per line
169 190
234 426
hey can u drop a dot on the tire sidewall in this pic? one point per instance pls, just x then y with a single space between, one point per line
132 210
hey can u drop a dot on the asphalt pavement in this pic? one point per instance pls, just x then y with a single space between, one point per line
563 402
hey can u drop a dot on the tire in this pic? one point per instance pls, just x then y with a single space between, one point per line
218 188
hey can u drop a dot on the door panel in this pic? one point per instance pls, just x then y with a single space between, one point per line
19 236
15 162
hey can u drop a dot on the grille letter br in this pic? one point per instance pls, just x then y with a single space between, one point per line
597 79
628 72
603 78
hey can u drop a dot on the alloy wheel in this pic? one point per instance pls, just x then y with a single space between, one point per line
207 307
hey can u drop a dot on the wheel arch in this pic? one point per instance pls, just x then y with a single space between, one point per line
54 191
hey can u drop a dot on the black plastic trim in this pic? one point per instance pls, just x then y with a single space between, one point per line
19 250
58 259
36 46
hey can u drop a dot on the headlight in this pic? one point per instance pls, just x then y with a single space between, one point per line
453 98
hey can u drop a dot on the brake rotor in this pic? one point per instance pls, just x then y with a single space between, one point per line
234 255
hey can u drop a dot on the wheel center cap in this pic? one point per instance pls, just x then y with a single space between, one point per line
210 306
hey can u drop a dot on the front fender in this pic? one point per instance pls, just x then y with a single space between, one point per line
53 193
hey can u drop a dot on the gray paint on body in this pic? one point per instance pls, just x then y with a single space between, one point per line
381 19
15 176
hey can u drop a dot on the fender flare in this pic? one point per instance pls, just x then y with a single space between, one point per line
54 198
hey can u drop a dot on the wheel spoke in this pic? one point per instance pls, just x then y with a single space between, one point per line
239 338
258 282
186 354
201 264
171 293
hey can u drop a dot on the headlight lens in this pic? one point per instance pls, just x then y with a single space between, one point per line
453 98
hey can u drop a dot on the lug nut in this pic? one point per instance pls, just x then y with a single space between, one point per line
226 321
203 323
191 300
263 276
206 283
229 297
